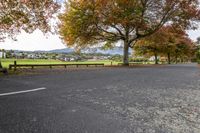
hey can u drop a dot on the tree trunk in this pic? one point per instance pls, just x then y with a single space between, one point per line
181 60
126 55
176 59
0 64
169 58
156 58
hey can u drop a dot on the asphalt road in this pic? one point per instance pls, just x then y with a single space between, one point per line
105 100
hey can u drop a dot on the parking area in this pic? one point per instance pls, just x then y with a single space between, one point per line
105 100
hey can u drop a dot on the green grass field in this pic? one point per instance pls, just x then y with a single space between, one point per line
7 62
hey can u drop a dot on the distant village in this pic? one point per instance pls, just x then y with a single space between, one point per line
10 54
74 56
71 56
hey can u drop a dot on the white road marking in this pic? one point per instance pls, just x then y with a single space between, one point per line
19 92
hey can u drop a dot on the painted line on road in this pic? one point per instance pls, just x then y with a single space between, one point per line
20 92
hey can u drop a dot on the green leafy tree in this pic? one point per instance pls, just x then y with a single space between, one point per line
9 54
198 48
89 22
198 40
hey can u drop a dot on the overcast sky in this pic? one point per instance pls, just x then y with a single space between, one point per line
35 41
39 41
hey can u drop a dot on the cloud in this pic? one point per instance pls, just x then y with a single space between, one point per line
38 41
35 41
193 34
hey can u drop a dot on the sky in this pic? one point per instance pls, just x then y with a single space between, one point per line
38 41
35 41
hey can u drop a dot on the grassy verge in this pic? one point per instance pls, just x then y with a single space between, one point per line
7 62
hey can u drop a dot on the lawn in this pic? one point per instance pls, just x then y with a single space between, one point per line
7 62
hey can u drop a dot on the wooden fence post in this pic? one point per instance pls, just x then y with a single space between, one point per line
10 67
15 65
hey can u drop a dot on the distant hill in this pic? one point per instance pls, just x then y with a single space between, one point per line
114 51
65 50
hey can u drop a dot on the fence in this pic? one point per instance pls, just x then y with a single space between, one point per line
131 63
32 66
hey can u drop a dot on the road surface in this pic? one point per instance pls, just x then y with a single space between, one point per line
163 99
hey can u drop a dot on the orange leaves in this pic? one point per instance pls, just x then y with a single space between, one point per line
166 41
130 20
27 15
24 1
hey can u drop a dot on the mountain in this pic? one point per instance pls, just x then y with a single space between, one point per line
114 51
65 50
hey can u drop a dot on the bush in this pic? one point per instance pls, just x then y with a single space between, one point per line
139 60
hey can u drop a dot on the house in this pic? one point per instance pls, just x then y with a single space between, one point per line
31 56
152 58
2 54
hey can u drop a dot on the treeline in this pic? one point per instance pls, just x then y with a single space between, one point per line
169 44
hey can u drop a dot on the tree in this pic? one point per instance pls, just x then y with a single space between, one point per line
9 54
151 45
185 48
177 42
198 40
88 22
198 48
4 53
169 47
147 48
170 41
27 15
